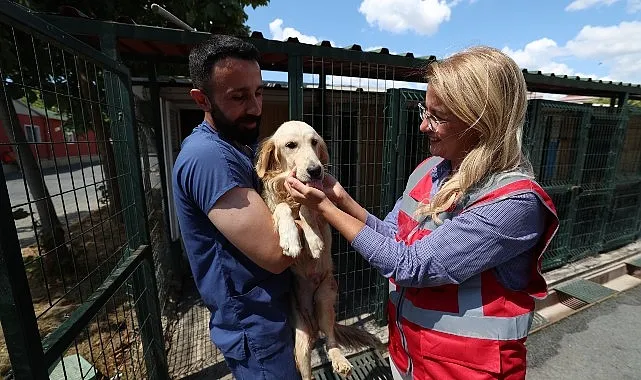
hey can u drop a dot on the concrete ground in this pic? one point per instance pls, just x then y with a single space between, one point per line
602 342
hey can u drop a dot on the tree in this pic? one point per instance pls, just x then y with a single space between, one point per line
51 234
222 16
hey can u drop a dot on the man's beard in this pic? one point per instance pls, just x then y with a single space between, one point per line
234 130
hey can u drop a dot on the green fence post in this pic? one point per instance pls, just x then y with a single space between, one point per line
295 86
135 213
17 314
388 188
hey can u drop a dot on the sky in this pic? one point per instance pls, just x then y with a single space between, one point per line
600 39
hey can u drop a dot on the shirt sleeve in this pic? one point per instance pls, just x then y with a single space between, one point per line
388 226
468 244
208 170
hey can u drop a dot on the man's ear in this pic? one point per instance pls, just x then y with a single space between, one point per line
201 99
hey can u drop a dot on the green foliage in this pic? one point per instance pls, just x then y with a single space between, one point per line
221 16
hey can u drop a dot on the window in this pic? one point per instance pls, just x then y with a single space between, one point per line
32 133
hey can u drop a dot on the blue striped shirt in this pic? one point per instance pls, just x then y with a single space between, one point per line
498 235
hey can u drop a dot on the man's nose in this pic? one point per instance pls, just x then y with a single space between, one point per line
255 106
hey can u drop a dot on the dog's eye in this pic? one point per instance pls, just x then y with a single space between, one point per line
314 142
291 145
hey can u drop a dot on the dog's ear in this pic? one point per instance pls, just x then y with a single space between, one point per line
267 158
323 152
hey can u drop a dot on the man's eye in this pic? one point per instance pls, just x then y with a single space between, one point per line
291 145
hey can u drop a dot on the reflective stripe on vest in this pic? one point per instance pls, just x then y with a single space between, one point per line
469 321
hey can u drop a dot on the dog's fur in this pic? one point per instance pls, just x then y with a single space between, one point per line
296 144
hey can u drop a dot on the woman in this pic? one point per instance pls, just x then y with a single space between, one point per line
462 247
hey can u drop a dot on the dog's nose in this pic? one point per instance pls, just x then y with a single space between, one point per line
315 171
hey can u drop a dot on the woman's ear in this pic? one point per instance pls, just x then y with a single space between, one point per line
267 158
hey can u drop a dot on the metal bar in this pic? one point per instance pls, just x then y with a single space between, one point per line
118 90
17 314
295 87
154 92
145 284
56 343
27 20
171 17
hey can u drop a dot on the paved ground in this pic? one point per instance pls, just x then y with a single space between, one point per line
601 342
73 192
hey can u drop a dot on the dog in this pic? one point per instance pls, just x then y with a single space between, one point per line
296 144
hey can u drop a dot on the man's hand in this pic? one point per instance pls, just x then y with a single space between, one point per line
243 218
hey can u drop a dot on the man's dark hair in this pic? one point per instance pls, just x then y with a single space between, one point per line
217 47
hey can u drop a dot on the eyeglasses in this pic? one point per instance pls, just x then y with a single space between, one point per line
432 120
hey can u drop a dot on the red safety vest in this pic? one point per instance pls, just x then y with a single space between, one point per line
475 330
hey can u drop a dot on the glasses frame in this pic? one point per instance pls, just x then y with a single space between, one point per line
431 119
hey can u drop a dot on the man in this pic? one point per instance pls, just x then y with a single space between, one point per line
227 230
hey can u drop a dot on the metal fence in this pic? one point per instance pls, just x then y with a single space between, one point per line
85 262
345 101
79 296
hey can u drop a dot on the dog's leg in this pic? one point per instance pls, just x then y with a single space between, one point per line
325 298
306 330
311 232
287 230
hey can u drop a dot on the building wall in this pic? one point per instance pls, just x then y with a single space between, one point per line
50 139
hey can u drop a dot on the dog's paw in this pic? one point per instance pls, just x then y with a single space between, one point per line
316 246
340 364
289 240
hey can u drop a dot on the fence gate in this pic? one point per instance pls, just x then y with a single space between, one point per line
77 286
405 147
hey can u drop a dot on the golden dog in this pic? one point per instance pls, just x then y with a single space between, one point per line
296 144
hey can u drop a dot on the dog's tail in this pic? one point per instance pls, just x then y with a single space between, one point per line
352 337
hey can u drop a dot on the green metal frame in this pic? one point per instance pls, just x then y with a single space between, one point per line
17 314
136 222
31 357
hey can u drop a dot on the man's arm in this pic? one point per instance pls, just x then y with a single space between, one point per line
243 218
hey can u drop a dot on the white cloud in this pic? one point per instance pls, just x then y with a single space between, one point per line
607 41
633 6
281 34
399 16
616 47
579 5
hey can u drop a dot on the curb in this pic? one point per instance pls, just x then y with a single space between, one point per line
582 284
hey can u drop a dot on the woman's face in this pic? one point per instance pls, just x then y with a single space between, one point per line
449 137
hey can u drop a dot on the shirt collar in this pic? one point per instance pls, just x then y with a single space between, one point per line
441 170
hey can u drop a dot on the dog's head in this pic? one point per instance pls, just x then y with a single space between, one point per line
294 144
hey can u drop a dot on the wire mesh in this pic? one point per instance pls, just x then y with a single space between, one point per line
623 216
588 223
601 149
166 266
110 346
348 109
558 127
62 128
557 253
629 165
416 147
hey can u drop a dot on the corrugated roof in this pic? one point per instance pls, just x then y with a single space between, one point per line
143 42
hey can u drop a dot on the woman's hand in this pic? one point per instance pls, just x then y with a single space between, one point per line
334 190
304 194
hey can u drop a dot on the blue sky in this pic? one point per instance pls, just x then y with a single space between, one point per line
595 38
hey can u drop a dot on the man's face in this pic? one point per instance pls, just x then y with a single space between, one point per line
236 97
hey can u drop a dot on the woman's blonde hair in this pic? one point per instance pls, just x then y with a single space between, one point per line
485 89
